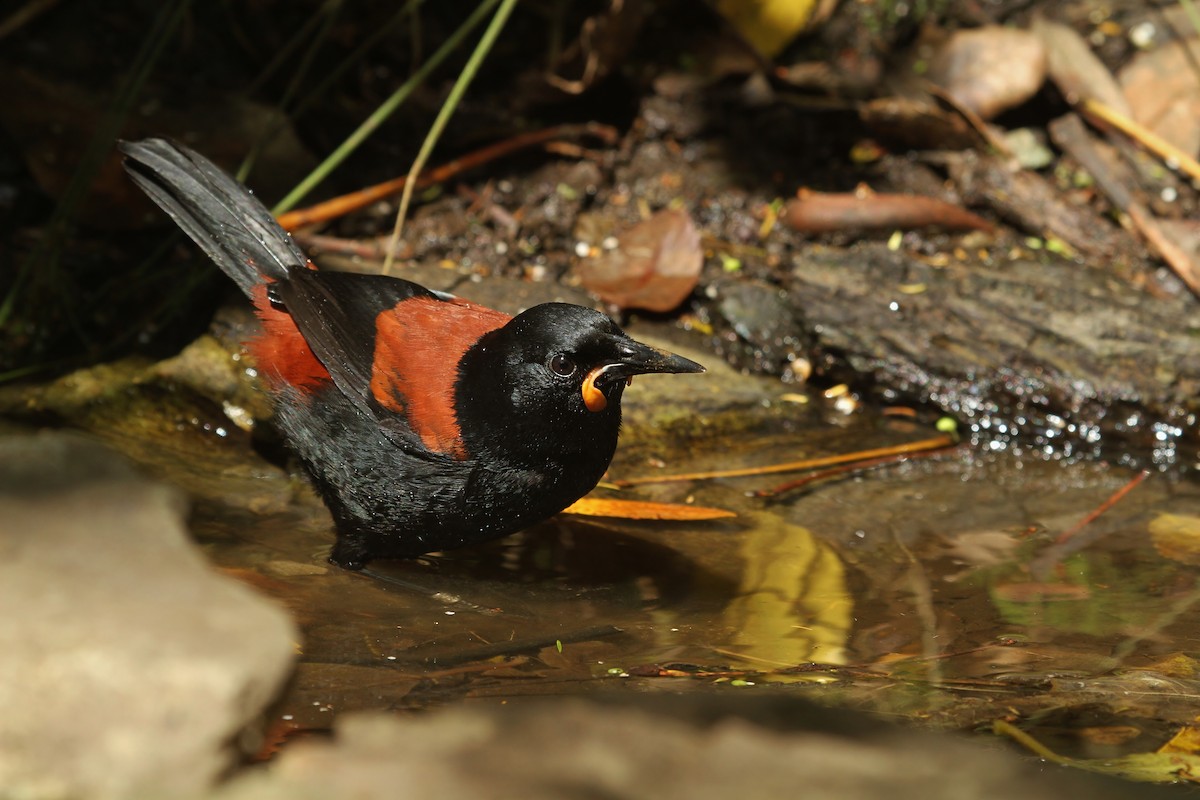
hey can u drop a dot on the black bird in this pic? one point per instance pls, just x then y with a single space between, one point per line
426 422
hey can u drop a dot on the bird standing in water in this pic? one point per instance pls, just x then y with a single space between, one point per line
426 422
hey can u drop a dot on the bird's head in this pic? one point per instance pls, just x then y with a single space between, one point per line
554 375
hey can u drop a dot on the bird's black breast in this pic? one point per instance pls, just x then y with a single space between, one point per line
389 503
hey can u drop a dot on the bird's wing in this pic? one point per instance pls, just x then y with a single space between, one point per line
392 347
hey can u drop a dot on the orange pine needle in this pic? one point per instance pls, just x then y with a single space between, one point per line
345 204
1112 500
640 509
856 466
795 466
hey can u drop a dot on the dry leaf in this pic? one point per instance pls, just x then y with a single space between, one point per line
1075 69
1185 740
654 266
990 69
1174 665
919 124
1164 92
1177 537
768 25
1147 767
1108 734
822 212
984 548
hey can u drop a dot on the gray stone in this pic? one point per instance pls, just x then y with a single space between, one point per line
577 749
128 666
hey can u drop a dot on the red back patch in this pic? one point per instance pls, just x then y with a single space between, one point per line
283 356
418 344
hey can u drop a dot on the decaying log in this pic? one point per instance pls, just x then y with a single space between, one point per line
1052 355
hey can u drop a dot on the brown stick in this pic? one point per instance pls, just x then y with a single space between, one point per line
823 212
1069 134
339 206
1112 500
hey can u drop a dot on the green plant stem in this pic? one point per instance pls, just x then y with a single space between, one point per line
460 87
337 72
328 15
1189 8
330 78
284 53
384 111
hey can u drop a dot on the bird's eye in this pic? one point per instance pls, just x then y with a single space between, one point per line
562 365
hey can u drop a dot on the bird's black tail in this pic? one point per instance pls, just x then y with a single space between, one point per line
221 215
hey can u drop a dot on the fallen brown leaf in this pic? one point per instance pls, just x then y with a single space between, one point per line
1185 740
1075 69
654 266
1163 91
990 69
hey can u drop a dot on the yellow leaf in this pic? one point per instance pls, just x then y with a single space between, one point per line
1162 767
1177 537
1186 740
1175 665
639 509
768 25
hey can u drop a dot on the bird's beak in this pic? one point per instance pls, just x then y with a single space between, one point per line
633 358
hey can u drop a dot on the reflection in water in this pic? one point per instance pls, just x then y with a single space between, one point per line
941 553
966 607
793 605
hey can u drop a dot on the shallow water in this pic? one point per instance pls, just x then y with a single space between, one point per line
931 589
935 589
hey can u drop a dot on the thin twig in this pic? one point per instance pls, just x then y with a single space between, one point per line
446 598
1002 728
794 466
24 15
857 466
1176 257
1181 606
328 79
1112 500
328 14
465 655
922 599
339 206
316 244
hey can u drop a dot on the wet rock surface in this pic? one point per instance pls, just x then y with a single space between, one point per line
675 747
128 667
1005 349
